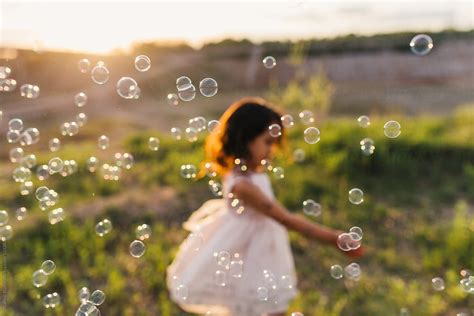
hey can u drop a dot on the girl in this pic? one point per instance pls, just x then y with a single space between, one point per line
237 259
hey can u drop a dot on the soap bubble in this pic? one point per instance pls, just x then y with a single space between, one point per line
3 217
15 124
269 62
344 242
367 146
6 232
137 248
220 277
199 123
42 172
26 188
73 129
352 271
188 171
143 232
363 121
100 73
21 213
13 136
262 293
87 309
216 188
194 240
84 65
421 44
54 144
21 174
235 204
279 173
7 85
287 121
274 130
212 125
103 227
438 284
191 134
270 280
187 92
306 117
29 161
30 136
176 133
142 63
312 135
127 87
111 173
51 300
55 165
153 143
84 294
356 196
70 167
53 197
92 164
181 292
266 164
97 297
223 259
5 72
42 193
356 233
311 208
103 142
173 99
81 119
80 99
64 128
236 268
16 154
336 271
299 155
467 284
391 129
39 278
29 91
48 266
208 87
55 216
182 82
286 282
126 160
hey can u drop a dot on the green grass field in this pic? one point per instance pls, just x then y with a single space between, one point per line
417 219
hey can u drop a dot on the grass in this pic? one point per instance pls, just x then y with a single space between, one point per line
417 220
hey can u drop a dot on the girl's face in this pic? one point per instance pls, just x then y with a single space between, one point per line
261 148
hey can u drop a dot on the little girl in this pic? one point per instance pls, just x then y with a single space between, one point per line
237 259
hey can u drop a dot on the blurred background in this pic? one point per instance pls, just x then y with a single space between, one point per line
339 60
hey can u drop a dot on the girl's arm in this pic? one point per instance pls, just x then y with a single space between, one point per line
251 195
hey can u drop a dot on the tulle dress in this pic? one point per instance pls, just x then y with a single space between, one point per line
233 262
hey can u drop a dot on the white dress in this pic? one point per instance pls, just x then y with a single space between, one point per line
231 263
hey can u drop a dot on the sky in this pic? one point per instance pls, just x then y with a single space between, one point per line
104 25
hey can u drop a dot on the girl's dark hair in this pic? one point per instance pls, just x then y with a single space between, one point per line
240 124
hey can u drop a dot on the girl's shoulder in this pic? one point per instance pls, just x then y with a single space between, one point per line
236 175
258 179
